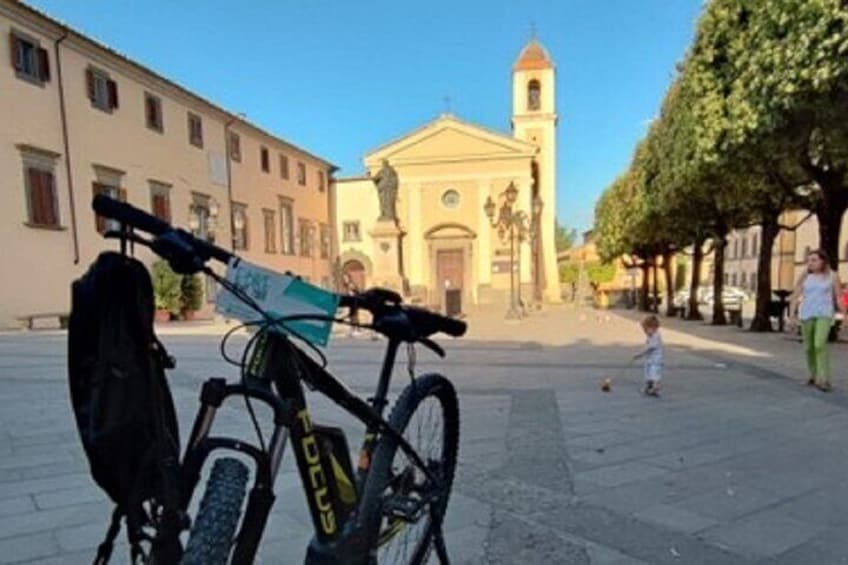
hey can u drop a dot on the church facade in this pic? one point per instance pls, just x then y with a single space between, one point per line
450 244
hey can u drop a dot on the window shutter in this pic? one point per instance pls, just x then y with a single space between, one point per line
48 188
13 51
35 203
43 65
89 83
122 194
113 94
100 221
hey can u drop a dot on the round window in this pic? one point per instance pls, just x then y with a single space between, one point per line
450 198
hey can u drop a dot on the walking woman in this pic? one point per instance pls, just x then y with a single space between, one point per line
819 292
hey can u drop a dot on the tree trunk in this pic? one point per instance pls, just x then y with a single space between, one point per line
829 213
768 234
719 315
646 282
694 312
667 257
656 287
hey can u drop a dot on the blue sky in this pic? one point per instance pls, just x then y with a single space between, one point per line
340 77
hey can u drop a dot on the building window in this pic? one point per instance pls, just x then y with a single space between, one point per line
29 59
733 279
270 230
350 231
202 221
304 234
264 160
102 90
153 112
450 199
235 147
744 247
240 239
325 241
755 244
754 280
112 189
40 188
727 278
321 181
735 249
284 167
286 227
160 200
301 174
534 95
195 130
743 281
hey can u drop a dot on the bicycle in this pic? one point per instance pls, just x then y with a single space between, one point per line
397 492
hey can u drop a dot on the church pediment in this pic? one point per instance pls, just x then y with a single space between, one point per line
450 139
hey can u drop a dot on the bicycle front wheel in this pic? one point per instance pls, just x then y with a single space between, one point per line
213 532
400 506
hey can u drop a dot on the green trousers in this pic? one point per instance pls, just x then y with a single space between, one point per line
815 332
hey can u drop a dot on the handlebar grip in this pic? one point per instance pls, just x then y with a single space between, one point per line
453 327
129 215
430 322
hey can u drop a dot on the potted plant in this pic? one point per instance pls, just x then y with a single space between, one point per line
191 296
166 291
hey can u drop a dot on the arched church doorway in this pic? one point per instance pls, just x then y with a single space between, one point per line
354 275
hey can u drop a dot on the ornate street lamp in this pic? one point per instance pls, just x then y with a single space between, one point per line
508 223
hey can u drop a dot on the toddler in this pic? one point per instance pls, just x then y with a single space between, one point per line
652 354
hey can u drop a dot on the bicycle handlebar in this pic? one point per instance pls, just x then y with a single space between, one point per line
141 220
182 248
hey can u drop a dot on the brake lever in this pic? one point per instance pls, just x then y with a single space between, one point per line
432 346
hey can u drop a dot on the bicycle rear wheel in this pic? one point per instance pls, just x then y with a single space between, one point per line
212 533
400 507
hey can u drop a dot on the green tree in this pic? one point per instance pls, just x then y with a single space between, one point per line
166 287
565 238
600 273
569 273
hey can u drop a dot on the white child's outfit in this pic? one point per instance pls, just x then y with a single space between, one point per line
653 358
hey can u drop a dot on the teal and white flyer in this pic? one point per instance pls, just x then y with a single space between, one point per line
279 295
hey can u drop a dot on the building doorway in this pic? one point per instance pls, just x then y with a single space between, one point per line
353 275
450 273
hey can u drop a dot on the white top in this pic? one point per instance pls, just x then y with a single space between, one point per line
654 349
817 299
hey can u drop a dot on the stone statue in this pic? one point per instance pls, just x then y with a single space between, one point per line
386 181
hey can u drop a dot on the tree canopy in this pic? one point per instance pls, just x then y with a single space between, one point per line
755 113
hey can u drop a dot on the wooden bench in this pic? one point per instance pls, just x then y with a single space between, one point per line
29 319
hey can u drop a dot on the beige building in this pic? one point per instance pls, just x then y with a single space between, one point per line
789 254
81 119
448 169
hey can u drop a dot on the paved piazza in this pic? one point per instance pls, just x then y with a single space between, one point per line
736 463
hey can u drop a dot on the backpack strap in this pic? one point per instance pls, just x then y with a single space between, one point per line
104 550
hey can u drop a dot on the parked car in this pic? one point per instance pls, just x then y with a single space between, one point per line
731 296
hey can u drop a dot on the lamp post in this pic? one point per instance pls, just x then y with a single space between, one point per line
516 225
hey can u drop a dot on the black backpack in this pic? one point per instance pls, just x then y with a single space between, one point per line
123 407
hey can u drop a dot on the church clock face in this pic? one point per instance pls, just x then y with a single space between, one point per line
450 198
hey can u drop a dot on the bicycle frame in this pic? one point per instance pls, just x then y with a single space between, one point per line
277 360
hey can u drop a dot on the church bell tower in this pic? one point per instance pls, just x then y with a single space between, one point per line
534 120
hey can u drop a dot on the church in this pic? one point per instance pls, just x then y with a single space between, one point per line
454 214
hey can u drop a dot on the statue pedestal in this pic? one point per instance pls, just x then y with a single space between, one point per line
387 256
